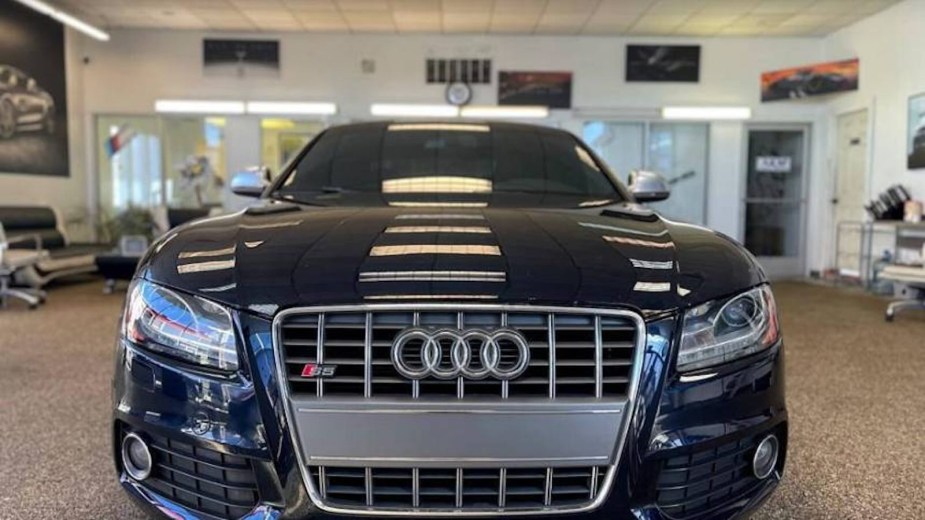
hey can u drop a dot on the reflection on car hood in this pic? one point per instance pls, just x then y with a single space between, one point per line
624 256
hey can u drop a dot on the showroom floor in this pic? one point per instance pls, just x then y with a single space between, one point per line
855 390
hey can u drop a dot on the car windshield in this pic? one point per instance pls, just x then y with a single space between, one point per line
395 162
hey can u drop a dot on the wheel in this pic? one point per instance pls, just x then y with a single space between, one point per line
889 317
7 120
49 125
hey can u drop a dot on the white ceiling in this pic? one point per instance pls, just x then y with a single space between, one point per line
590 17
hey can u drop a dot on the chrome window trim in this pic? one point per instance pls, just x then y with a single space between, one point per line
304 469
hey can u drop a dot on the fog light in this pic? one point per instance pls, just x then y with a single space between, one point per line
136 457
765 459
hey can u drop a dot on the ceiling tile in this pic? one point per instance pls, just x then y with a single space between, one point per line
321 21
416 5
729 6
694 29
363 5
584 7
413 21
311 5
466 22
761 21
600 28
833 6
781 6
806 19
369 21
676 7
454 6
520 6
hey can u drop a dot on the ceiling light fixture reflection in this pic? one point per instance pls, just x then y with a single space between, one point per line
411 110
637 242
291 108
438 127
651 264
435 249
432 297
437 229
439 216
66 19
595 203
433 276
629 231
208 253
707 113
437 184
652 287
505 112
192 106
201 267
410 204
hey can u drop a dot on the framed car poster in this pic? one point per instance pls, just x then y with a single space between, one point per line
550 89
810 80
915 149
663 63
33 93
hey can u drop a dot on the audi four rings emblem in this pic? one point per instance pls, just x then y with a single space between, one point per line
450 353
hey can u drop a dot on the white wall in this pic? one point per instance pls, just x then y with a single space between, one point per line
67 194
892 52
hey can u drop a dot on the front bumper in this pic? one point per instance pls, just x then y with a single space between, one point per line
682 458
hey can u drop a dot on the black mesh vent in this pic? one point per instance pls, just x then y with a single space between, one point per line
215 484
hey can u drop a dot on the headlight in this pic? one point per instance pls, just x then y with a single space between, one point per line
186 327
723 330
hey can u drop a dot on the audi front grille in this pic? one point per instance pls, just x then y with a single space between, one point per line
448 489
458 409
570 355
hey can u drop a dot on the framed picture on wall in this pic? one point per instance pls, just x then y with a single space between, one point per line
550 89
669 63
915 149
33 91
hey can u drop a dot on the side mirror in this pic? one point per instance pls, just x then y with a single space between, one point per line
251 182
648 186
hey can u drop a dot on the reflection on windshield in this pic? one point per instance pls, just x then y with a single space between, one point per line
372 164
436 184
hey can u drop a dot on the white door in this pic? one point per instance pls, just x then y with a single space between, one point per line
777 166
850 188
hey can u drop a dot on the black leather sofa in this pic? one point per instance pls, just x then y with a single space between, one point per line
38 227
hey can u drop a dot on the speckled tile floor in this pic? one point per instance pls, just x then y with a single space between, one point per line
855 387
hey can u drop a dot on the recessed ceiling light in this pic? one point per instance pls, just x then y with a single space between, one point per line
707 113
66 19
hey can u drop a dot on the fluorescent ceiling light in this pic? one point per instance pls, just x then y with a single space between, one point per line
498 112
707 113
403 110
194 106
66 19
291 108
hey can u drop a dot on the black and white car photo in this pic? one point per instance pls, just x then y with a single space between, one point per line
24 104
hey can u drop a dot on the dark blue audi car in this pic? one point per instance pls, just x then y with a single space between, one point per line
449 319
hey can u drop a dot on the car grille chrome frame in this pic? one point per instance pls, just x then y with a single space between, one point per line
592 393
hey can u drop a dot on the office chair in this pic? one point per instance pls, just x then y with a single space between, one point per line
11 261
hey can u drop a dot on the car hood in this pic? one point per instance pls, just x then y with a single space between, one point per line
269 258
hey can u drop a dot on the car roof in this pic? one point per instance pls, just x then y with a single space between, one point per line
451 122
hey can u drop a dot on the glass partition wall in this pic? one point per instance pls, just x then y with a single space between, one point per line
180 161
679 151
147 161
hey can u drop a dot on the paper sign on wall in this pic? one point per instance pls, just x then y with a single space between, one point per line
774 164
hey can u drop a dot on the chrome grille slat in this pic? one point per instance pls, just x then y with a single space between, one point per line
453 489
582 354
